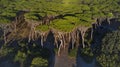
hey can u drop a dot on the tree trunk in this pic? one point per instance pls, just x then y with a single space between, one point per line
41 40
4 36
29 36
83 31
22 64
60 47
108 20
91 33
83 40
56 42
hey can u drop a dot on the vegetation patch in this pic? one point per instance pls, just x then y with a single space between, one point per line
73 53
39 62
71 13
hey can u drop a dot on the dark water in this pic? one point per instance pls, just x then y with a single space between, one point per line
81 63
8 64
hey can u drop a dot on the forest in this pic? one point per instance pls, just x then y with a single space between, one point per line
59 33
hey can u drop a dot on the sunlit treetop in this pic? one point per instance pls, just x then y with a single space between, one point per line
85 11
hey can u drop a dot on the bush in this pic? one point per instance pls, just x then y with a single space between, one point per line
39 62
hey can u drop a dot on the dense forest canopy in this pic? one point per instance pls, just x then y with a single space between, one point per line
65 14
110 50
51 26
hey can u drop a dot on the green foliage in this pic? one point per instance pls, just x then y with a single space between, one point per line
56 50
109 56
87 51
39 62
31 16
86 54
83 12
62 25
34 55
20 56
4 51
73 53
43 27
3 20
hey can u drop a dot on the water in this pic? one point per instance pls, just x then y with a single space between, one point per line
81 63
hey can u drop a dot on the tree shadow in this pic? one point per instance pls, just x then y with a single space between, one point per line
49 44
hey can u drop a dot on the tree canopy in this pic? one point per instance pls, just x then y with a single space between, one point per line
71 13
110 50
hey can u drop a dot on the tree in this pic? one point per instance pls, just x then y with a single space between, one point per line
110 56
21 57
39 62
